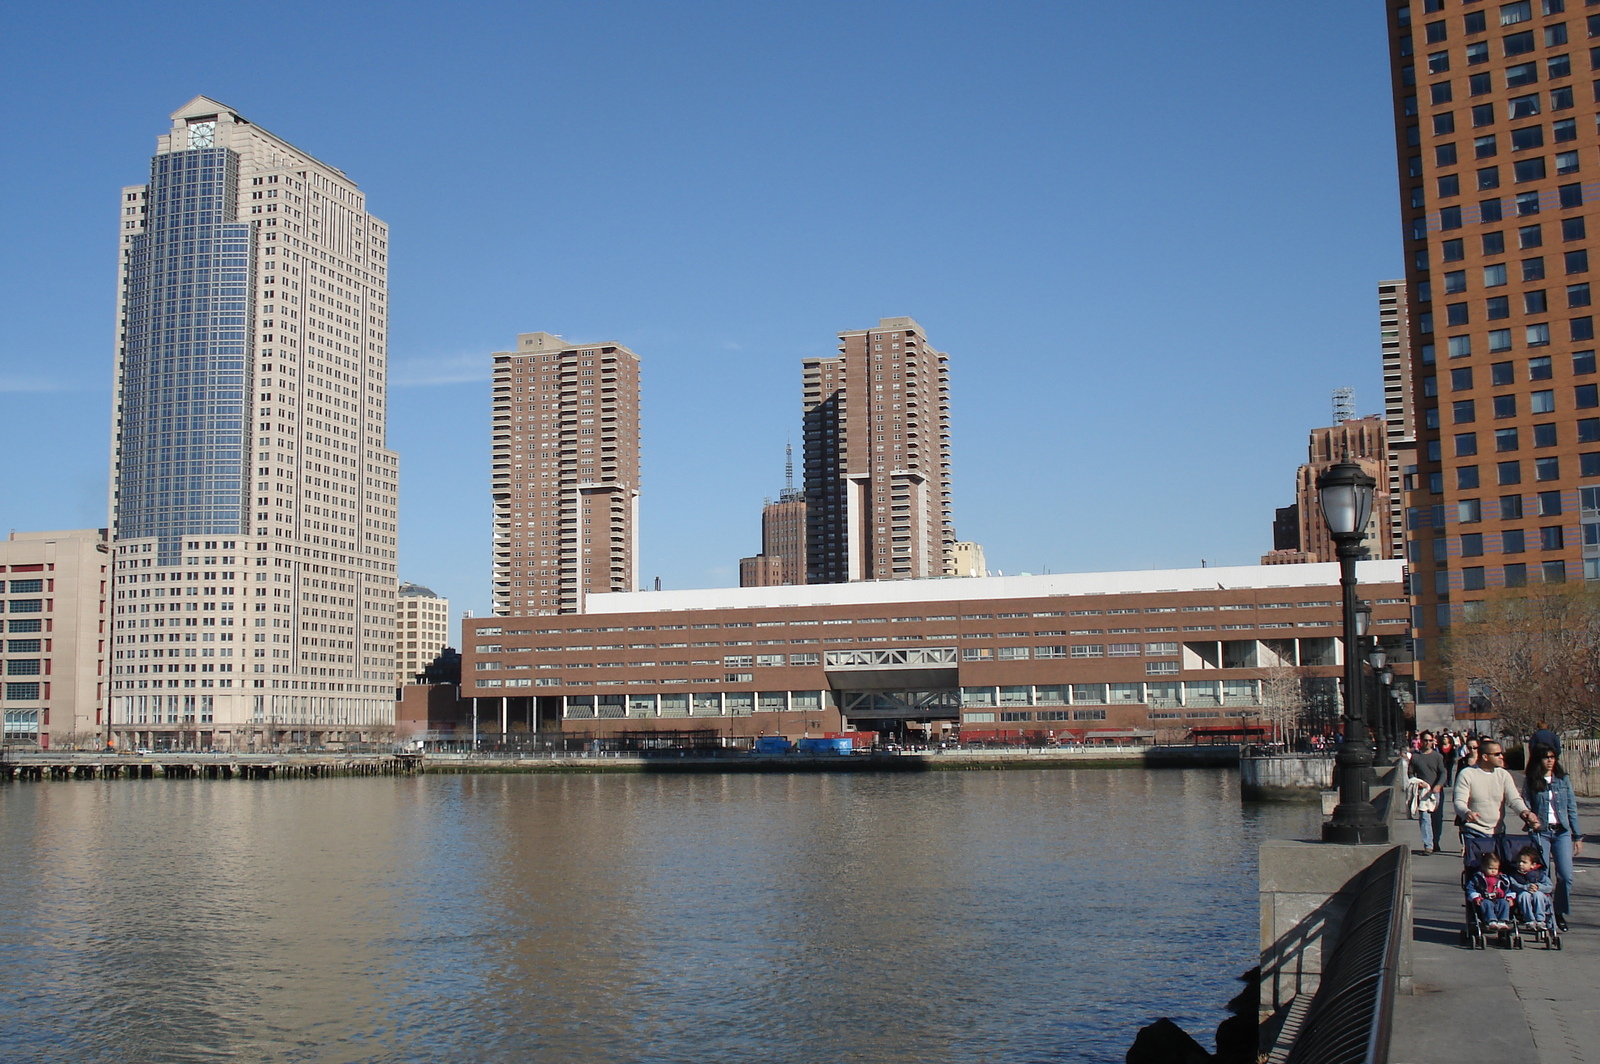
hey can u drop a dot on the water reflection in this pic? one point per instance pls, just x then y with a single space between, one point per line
1013 916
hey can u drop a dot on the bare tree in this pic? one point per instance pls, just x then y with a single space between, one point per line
1533 654
1283 699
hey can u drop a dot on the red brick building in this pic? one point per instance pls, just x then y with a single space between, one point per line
1495 136
566 474
1078 655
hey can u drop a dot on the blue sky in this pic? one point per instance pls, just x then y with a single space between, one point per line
1147 234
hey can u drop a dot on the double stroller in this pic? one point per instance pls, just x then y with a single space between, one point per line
1476 931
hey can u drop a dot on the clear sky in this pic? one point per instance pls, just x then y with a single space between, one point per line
1147 234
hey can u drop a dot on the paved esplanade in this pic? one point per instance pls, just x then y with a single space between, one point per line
1495 1006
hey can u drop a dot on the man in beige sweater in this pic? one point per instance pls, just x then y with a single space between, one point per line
1485 790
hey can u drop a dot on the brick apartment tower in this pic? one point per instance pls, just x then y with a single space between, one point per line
877 458
566 474
1363 441
250 479
783 538
1495 131
1399 407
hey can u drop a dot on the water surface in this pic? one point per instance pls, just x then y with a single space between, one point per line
962 917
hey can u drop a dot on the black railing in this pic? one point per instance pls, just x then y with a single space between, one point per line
1349 1019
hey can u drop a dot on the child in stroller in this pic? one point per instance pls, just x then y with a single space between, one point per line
1535 913
1492 890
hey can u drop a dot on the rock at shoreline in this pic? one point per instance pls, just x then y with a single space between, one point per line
1164 1042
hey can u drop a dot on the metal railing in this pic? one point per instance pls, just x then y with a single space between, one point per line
1350 1017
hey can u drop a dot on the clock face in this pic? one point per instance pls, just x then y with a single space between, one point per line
202 134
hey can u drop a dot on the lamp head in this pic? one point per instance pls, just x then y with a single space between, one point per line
1363 618
1376 657
1345 494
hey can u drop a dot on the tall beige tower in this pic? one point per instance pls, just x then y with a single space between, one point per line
253 500
54 588
877 458
566 474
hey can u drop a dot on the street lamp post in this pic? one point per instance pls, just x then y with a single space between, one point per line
1380 704
1345 493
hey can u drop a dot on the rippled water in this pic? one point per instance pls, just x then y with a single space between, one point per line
989 916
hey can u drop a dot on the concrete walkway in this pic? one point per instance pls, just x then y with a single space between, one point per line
1531 1006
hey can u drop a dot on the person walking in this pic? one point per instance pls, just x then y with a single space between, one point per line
1485 790
1544 736
1427 765
1555 808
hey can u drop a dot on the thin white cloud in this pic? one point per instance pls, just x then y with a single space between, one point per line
446 369
12 382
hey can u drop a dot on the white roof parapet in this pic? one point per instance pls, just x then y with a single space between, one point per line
953 589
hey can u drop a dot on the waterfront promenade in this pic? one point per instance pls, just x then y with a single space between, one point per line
52 765
1498 1006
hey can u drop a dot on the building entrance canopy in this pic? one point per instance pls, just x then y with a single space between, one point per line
883 705
887 670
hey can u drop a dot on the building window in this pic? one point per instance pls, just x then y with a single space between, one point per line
1508 473
1528 170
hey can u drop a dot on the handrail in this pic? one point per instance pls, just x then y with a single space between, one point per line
1350 1017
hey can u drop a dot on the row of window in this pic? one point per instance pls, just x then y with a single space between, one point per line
1476 22
1535 301
1517 75
1476 53
1470 511
1549 504
1474 578
1493 209
1532 236
1465 411
1170 693
22 605
22 692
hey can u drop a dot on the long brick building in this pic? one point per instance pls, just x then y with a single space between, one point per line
1089 655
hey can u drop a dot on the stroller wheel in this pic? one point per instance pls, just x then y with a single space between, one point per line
1516 943
1558 943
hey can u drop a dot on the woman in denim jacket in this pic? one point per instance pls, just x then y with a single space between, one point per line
1550 796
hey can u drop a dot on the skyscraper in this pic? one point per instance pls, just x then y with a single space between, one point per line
566 474
1496 146
877 458
252 498
1399 407
1358 439
783 537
